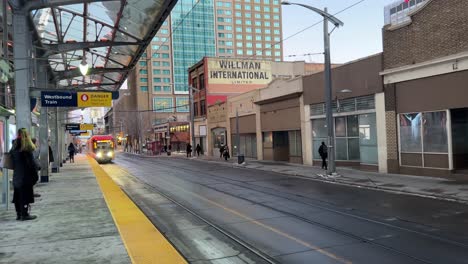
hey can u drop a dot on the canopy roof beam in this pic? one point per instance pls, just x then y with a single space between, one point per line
65 75
66 47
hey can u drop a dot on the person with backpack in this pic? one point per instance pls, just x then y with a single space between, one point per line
323 152
71 152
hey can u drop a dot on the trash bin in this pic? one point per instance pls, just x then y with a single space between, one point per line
240 159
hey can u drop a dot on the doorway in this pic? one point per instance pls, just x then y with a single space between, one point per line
459 138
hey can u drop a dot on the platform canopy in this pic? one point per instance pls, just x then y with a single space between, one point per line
108 36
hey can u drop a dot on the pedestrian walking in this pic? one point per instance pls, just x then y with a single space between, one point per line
323 152
198 150
71 152
24 175
51 154
221 151
189 150
169 148
226 153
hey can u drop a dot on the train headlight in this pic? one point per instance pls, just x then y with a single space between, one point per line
99 154
110 154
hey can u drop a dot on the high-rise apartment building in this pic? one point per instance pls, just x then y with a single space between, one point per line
197 29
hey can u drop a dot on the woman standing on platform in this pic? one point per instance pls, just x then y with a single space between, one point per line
24 174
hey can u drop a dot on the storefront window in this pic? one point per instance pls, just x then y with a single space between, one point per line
319 134
340 126
295 143
410 132
368 139
435 132
267 137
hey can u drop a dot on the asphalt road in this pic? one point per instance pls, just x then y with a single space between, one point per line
216 213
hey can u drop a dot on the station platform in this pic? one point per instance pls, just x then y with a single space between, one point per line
83 217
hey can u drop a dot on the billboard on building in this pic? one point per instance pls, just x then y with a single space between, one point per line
233 71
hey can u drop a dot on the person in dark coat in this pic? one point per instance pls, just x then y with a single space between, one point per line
24 175
189 150
221 151
51 154
323 152
71 152
198 150
226 153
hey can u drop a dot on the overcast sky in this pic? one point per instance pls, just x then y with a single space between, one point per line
359 37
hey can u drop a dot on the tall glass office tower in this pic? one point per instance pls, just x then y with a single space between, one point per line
224 28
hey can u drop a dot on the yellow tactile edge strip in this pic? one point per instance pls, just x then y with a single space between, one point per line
144 243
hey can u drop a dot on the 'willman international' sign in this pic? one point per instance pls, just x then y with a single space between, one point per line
238 71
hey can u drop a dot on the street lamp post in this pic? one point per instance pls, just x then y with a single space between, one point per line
328 82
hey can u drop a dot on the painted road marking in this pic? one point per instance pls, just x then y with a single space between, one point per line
144 243
272 229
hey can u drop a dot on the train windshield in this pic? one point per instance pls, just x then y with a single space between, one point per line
103 145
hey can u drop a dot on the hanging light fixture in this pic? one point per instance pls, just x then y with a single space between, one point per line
84 67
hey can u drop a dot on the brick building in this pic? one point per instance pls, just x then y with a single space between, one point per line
425 75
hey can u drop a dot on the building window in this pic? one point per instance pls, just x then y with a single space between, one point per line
248 30
248 22
238 29
238 14
164 47
277 46
221 50
267 24
166 64
248 37
202 107
163 104
143 71
247 7
267 31
238 6
229 51
238 22
277 53
257 15
240 52
228 28
267 38
228 12
257 8
144 88
277 39
182 104
276 24
266 9
258 45
156 63
275 10
202 82
259 31
164 31
249 52
166 80
229 36
267 16
268 53
295 143
167 89
165 55
248 44
157 80
195 109
258 23
239 44
220 19
157 89
220 11
248 15
166 72
276 17
423 133
220 27
142 63
156 71
143 79
276 31
258 37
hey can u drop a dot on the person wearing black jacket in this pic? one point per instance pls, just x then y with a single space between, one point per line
323 152
24 175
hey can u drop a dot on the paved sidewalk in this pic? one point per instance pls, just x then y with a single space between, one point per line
431 187
74 224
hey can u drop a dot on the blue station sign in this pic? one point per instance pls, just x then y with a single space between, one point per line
58 99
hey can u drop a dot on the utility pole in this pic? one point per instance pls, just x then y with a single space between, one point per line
328 95
192 118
